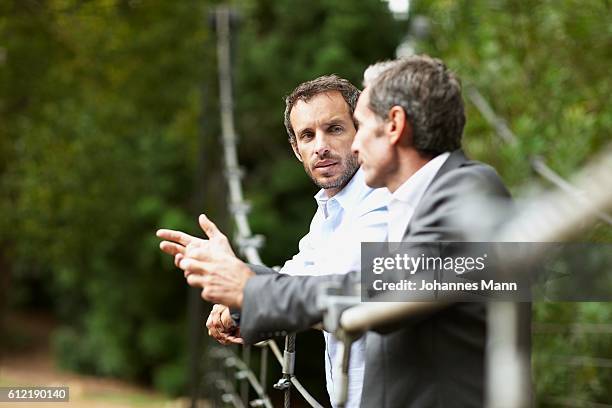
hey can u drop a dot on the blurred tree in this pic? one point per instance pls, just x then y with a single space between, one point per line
101 108
543 66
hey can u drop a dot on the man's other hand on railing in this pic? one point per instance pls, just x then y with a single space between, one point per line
222 327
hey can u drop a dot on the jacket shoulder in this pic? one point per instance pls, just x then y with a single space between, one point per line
470 177
444 203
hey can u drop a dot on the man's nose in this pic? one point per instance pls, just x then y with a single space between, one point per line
321 145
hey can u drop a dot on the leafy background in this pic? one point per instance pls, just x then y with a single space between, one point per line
109 130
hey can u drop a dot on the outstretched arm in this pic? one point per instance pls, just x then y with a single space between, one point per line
270 303
273 305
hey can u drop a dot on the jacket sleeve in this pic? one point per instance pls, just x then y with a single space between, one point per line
258 270
274 305
262 270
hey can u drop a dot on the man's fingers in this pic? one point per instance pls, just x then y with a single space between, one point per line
209 320
207 294
175 236
216 328
234 339
171 248
189 265
215 314
196 281
195 266
197 252
225 319
217 335
213 318
209 227
177 260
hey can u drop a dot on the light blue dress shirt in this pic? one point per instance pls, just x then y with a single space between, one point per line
356 214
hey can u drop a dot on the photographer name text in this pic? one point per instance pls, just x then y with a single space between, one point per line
409 285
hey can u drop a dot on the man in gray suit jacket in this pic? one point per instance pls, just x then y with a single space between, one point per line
410 121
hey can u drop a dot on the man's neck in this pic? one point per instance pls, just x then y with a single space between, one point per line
410 161
330 192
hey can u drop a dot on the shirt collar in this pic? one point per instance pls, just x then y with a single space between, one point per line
350 195
413 189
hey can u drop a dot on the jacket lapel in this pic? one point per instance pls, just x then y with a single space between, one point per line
455 160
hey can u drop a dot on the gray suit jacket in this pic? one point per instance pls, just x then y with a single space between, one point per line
437 361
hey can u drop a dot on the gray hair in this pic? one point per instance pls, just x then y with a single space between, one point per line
307 90
430 94
373 71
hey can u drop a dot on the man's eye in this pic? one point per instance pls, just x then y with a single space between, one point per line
335 129
306 136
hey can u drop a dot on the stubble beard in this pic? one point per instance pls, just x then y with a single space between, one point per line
351 165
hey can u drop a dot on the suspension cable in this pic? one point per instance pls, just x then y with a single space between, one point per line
537 163
240 208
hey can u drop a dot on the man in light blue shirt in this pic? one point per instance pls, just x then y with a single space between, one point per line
357 213
319 122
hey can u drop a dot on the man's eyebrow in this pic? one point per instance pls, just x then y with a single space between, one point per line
334 120
331 121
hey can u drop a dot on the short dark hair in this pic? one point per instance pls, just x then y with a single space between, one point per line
307 90
430 94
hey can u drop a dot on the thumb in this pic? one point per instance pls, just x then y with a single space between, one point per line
209 227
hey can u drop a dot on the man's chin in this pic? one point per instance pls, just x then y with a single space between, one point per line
325 179
327 182
334 178
371 180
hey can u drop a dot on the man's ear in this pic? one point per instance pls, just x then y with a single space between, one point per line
397 126
295 150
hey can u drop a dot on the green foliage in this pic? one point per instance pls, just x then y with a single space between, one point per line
543 66
100 116
563 365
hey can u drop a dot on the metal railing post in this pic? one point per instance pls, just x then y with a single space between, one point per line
263 368
244 383
284 383
341 392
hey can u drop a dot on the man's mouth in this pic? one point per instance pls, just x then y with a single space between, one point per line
324 164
